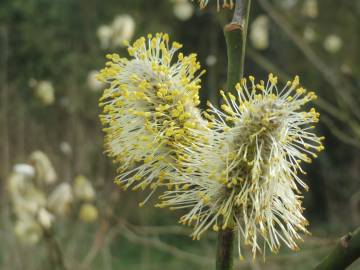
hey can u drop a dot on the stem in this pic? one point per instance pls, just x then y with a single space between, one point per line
212 70
235 36
55 254
245 32
224 253
344 254
4 121
234 43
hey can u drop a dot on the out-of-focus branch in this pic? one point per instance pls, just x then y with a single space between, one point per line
339 133
56 256
98 243
355 205
344 254
158 244
340 85
105 236
158 230
267 65
4 135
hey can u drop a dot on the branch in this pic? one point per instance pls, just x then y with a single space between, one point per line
234 42
97 245
344 254
235 36
158 244
225 249
4 96
56 255
156 230
339 133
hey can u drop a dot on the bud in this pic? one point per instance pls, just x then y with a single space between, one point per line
333 43
183 10
65 148
211 60
123 28
88 213
45 172
24 169
45 218
93 83
309 34
60 200
310 9
45 92
25 197
259 32
28 231
83 189
105 33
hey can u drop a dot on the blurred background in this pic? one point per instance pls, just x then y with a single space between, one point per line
59 207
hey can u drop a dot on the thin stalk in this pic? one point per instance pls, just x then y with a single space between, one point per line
213 48
235 36
234 42
55 253
4 123
225 250
244 35
344 254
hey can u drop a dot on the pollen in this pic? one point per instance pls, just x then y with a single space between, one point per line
245 174
150 104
